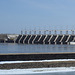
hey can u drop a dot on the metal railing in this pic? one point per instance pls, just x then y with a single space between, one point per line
47 32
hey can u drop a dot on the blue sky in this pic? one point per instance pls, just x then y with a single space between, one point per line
17 15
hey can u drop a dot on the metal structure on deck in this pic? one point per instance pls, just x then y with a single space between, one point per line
47 31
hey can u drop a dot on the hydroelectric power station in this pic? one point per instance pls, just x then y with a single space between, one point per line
40 37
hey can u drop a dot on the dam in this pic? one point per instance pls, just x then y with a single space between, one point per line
40 37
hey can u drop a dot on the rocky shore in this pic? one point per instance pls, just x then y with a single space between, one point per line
27 65
36 58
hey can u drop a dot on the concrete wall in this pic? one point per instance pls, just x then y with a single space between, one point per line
38 39
45 39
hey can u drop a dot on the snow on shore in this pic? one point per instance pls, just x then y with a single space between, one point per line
37 70
4 62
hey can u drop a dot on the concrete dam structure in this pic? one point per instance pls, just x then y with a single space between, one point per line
45 37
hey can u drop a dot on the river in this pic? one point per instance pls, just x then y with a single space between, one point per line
24 48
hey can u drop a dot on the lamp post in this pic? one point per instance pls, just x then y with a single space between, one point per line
45 32
29 32
72 31
39 32
67 32
21 32
60 32
49 32
35 32
55 31
25 32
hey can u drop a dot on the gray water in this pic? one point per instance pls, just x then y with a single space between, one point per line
56 73
24 48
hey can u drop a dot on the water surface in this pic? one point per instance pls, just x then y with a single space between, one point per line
56 73
24 48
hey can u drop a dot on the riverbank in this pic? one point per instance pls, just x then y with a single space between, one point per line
41 71
39 64
36 56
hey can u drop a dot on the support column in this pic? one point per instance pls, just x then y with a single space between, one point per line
44 39
40 37
73 39
62 39
55 39
34 39
24 39
20 39
29 39
50 39
68 38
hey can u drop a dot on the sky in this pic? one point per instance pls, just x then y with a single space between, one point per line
17 15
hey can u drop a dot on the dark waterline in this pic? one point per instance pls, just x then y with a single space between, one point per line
24 48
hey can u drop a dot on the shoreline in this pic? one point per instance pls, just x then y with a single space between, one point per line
39 70
36 56
28 65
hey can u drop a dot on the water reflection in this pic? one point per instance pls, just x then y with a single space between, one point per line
24 48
